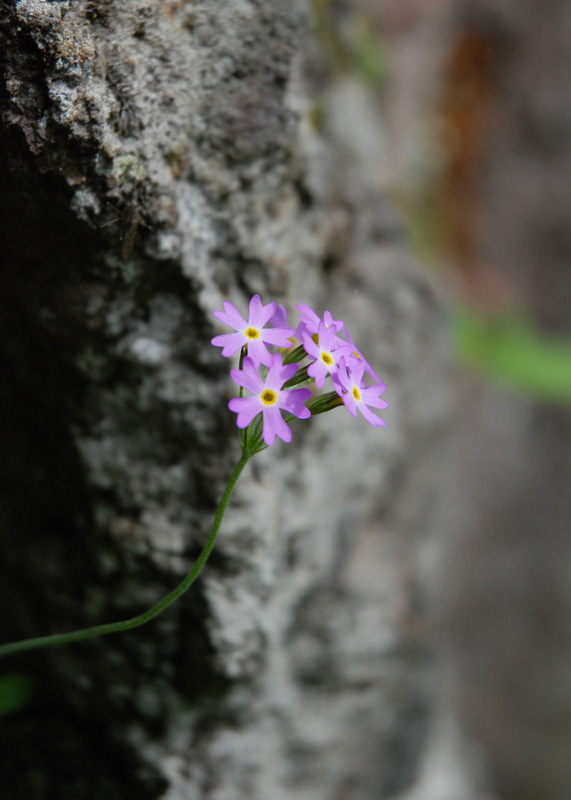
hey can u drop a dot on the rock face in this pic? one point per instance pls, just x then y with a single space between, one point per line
159 158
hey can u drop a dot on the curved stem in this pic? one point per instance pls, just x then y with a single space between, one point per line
134 622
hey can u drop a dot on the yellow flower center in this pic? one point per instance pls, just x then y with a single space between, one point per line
268 397
326 358
356 393
252 333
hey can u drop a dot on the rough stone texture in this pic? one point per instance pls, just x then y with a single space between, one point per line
161 157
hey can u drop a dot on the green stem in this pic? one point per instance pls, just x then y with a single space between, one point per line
146 616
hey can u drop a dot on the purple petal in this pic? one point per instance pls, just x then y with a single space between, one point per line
279 320
336 324
246 408
308 317
371 418
251 368
311 348
260 354
278 374
274 425
350 403
318 370
292 401
337 385
248 377
231 342
326 335
307 312
369 370
341 377
278 336
356 371
287 372
259 314
301 331
375 402
231 316
370 396
360 358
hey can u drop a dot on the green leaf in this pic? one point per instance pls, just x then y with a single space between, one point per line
15 691
511 350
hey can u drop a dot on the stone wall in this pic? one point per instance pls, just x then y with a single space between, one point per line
159 158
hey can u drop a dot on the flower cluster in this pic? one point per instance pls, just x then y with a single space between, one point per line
271 370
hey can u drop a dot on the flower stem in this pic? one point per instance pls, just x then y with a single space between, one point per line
146 616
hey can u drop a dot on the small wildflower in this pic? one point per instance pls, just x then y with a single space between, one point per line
274 379
355 394
356 357
324 351
252 333
268 398
274 391
309 320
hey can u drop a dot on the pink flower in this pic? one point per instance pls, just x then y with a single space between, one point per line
309 320
326 353
279 318
251 333
268 398
355 394
356 357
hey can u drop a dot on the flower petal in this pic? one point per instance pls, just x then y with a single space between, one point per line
246 408
293 400
356 371
371 418
230 342
326 335
259 314
311 348
260 354
248 376
274 425
279 320
341 381
350 403
308 317
336 324
278 336
371 398
231 316
278 374
318 371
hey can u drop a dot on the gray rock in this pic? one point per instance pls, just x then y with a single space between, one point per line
159 159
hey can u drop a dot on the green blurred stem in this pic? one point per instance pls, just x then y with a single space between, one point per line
146 616
511 349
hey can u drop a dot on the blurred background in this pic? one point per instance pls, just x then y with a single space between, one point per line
477 101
